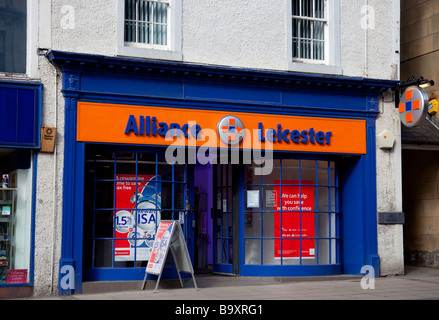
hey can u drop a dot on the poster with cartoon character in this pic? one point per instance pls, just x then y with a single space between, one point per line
138 204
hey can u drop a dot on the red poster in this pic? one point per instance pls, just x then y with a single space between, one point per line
16 276
297 219
160 247
135 228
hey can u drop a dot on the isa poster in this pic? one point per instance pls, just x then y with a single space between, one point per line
137 216
160 248
297 220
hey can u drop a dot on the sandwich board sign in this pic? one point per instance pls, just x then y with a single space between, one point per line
169 236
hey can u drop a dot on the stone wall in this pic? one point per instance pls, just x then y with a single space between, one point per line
421 207
420 41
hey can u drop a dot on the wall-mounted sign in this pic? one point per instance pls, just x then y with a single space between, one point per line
433 106
413 106
252 198
146 125
48 135
16 276
20 114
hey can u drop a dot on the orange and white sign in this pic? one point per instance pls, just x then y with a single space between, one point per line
151 125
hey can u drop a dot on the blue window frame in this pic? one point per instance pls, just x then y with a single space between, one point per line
304 230
127 194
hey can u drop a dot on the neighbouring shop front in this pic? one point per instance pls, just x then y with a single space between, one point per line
269 173
20 122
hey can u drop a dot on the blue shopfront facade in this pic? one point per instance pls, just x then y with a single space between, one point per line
20 128
332 230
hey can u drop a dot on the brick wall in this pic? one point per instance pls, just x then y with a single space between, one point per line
421 207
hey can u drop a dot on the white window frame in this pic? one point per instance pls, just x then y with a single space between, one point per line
32 8
171 51
32 39
331 64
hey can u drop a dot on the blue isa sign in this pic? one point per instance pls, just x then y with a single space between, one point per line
20 114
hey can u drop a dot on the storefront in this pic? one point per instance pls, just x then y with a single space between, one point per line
20 122
269 173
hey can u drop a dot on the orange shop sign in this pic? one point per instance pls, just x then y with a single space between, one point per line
151 125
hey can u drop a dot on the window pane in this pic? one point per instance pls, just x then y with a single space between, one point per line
319 28
103 253
296 7
307 8
252 251
295 48
308 35
295 28
319 50
269 253
319 11
13 36
146 22
253 224
130 31
142 32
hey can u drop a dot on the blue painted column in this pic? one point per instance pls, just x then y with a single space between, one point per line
370 203
70 264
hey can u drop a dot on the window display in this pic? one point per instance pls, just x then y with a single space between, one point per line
127 195
15 216
303 230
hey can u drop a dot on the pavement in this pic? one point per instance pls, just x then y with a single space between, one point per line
418 283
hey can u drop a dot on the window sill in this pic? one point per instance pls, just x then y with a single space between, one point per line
314 68
148 53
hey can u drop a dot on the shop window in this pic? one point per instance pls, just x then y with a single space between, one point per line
15 216
150 28
126 196
291 215
13 30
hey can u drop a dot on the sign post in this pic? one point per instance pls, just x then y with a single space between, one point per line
169 236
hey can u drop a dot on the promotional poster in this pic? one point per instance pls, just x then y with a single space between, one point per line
296 219
138 215
160 248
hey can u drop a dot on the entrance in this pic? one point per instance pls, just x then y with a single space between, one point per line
217 189
225 219
284 223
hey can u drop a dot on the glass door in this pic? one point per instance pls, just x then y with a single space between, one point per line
223 219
